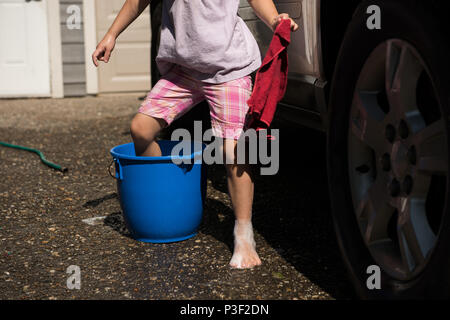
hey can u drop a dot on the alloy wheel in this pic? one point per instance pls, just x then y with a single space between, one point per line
398 159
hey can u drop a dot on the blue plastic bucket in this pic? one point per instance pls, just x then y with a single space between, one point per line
161 201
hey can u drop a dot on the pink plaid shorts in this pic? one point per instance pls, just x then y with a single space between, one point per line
177 92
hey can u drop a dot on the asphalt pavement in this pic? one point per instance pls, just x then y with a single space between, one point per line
50 220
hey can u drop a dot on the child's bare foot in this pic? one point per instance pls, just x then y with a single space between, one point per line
244 256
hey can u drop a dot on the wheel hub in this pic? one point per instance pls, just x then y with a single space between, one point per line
400 163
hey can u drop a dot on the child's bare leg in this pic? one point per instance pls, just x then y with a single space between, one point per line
240 187
144 130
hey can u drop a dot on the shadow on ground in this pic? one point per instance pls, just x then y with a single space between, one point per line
291 211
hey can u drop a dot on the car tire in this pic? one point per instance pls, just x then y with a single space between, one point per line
410 27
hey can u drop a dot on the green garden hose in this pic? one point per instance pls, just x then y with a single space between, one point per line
45 161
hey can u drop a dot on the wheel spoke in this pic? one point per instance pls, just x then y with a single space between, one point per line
361 196
403 70
367 120
432 131
433 165
380 212
415 235
361 207
432 157
406 256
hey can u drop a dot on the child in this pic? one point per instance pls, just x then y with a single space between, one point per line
206 52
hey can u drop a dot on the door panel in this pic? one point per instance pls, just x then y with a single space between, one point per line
24 54
129 66
303 50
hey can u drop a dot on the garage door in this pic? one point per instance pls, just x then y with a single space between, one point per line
129 67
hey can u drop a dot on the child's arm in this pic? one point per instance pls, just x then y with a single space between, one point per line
129 12
267 12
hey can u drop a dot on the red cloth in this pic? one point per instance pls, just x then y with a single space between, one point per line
271 79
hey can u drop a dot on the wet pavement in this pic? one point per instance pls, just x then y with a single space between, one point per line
42 231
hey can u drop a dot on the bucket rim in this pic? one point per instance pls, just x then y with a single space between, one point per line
162 158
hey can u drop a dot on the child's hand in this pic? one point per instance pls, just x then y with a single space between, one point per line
104 49
277 20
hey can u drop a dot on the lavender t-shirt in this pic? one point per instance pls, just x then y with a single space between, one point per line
208 39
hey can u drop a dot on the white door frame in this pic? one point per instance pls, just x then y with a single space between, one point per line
55 51
90 43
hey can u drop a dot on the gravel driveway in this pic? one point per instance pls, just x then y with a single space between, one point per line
42 231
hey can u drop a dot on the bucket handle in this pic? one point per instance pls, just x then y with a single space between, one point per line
118 173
